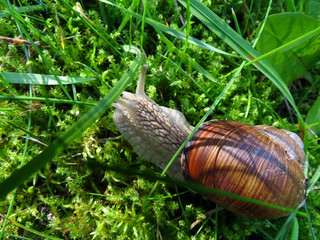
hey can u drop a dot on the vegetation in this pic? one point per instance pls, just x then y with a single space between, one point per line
67 173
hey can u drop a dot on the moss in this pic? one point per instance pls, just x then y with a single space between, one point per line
67 199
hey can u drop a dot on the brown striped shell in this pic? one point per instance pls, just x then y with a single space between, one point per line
248 161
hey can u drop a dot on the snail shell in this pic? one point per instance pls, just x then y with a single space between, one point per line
247 161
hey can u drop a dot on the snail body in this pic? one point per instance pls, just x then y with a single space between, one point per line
258 162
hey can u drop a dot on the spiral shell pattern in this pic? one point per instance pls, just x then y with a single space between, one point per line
244 160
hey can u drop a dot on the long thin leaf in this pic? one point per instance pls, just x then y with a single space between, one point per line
30 8
47 100
41 79
295 229
315 178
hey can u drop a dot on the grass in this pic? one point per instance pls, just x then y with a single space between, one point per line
79 178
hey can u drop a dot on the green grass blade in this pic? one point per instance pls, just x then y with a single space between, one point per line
37 233
295 229
47 100
41 79
314 179
31 8
60 143
127 17
145 7
312 232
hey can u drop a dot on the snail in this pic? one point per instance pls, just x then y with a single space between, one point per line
259 162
